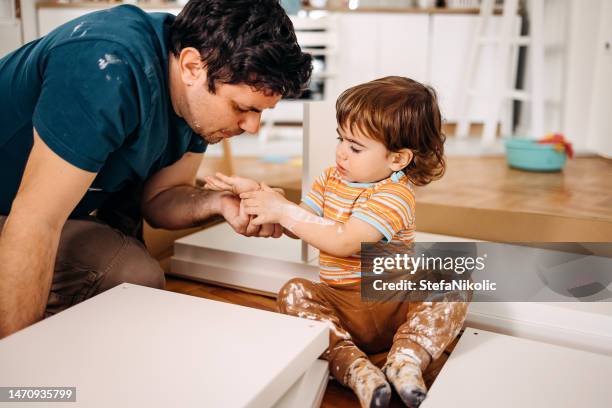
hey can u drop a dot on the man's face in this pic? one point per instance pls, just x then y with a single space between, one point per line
230 111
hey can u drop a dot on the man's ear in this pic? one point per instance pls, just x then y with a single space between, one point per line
400 159
191 67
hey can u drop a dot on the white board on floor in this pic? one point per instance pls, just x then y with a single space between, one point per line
309 390
139 347
493 370
219 255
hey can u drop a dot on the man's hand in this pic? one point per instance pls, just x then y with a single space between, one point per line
233 212
234 184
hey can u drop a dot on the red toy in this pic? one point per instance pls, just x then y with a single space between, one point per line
560 144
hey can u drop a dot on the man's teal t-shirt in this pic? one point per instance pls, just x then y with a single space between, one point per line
96 90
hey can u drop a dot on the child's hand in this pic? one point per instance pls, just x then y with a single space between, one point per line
235 184
269 205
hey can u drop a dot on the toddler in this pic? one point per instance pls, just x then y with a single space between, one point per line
389 137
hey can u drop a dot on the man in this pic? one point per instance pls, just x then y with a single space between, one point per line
108 116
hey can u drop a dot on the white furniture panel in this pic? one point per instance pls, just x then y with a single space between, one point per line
309 390
583 326
139 347
221 256
493 370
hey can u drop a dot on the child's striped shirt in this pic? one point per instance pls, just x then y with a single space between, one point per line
387 205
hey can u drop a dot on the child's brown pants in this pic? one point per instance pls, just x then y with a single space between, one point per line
423 329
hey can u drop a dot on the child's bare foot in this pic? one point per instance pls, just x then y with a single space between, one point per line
369 384
404 373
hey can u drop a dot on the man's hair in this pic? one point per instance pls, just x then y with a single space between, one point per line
248 42
400 113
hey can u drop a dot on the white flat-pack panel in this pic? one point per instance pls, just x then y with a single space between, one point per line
308 391
139 347
493 370
221 256
586 326
223 238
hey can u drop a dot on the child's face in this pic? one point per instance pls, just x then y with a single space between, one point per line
360 159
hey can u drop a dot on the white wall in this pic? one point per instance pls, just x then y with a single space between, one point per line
10 28
583 33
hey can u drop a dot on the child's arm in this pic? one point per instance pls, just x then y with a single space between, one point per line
291 234
328 236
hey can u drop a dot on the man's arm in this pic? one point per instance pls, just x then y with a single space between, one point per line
172 201
49 191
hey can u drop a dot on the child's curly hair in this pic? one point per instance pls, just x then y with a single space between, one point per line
401 113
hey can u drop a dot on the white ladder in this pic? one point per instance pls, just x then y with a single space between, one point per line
501 91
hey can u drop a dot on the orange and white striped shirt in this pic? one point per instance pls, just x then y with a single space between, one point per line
387 205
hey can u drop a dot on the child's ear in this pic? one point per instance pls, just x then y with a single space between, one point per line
399 160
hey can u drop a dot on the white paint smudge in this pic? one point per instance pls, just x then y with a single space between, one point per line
77 28
299 215
364 378
408 353
108 59
404 372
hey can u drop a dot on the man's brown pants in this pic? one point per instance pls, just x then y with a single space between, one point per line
93 257
421 329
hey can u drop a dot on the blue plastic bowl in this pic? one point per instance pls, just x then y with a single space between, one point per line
526 154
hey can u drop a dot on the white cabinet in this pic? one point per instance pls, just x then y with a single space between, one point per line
404 45
373 45
429 48
451 39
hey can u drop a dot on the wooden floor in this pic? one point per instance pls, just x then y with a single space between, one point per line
336 396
